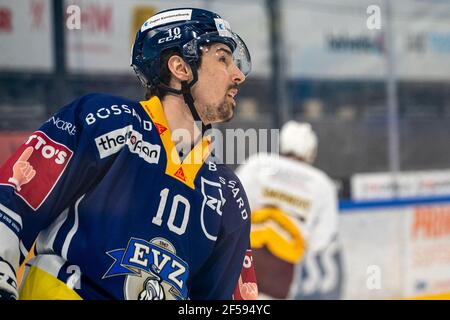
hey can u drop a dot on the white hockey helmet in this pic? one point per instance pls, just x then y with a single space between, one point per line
299 139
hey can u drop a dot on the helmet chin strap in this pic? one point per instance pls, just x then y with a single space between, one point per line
188 99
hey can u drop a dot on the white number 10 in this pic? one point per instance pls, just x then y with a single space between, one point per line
173 211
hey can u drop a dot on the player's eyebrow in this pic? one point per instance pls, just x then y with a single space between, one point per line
226 50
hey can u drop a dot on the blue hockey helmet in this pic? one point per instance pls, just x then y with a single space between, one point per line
185 30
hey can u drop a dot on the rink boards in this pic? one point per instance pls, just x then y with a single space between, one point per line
396 249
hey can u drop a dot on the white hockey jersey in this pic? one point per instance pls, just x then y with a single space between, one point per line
295 217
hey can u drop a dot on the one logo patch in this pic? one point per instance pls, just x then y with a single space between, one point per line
161 129
223 27
35 168
180 174
213 201
112 142
247 288
166 17
153 270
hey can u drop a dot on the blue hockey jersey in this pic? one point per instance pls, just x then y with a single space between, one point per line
115 214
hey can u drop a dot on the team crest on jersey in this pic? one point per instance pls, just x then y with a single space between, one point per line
212 205
152 270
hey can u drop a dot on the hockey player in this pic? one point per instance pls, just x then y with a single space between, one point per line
294 219
115 207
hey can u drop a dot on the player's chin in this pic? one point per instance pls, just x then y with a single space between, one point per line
225 112
229 114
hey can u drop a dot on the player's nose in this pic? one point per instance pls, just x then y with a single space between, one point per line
237 76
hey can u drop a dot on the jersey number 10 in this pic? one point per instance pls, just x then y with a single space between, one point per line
173 212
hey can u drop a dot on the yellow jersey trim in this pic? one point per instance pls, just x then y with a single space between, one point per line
40 285
184 171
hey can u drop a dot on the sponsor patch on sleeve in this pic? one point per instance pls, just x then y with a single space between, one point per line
35 168
247 288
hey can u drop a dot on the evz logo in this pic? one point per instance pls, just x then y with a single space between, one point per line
153 270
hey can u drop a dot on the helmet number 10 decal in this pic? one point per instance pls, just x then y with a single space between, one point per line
176 201
172 34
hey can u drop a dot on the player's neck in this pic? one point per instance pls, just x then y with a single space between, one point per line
180 120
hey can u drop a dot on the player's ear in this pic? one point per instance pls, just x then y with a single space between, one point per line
179 69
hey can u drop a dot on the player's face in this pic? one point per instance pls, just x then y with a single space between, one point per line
217 86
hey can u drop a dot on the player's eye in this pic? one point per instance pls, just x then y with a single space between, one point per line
222 58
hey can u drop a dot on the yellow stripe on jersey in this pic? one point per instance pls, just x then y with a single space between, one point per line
274 229
187 170
40 285
22 266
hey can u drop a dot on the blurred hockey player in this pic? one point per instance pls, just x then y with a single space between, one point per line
117 207
294 220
